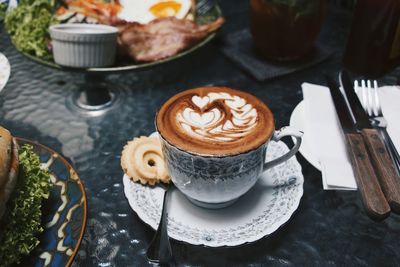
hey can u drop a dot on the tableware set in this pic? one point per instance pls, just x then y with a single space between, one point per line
380 155
213 177
373 168
213 218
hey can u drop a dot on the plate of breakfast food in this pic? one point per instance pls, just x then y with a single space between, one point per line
42 205
149 32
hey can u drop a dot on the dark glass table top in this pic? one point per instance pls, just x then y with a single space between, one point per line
329 228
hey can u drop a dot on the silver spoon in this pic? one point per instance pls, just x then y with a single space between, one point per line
159 250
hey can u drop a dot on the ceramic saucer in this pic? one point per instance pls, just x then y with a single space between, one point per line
297 121
4 71
260 212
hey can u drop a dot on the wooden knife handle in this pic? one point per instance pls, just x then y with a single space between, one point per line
372 196
387 175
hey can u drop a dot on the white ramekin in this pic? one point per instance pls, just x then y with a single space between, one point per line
84 45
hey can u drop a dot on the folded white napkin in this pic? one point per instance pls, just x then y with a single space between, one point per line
323 127
390 101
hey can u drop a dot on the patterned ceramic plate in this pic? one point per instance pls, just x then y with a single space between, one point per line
268 205
4 71
64 213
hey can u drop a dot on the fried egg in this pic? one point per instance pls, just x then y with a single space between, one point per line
144 11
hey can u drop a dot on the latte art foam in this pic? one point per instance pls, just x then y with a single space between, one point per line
215 121
236 119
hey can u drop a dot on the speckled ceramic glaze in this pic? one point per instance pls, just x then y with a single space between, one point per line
218 181
64 212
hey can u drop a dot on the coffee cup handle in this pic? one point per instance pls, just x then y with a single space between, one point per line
278 135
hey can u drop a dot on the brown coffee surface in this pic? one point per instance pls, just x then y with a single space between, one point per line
215 121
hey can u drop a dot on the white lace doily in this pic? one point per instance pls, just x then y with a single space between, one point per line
268 205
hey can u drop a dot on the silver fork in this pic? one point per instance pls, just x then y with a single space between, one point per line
369 97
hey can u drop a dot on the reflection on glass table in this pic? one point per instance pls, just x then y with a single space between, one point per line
95 96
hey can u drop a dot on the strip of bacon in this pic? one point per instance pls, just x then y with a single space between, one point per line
161 38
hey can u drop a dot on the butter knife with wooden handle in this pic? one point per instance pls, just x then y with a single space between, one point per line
372 196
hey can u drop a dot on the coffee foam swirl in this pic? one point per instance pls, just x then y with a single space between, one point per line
230 119
215 121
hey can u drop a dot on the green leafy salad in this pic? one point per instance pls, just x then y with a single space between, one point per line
21 223
28 25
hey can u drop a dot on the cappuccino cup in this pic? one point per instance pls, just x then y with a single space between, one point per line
214 142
